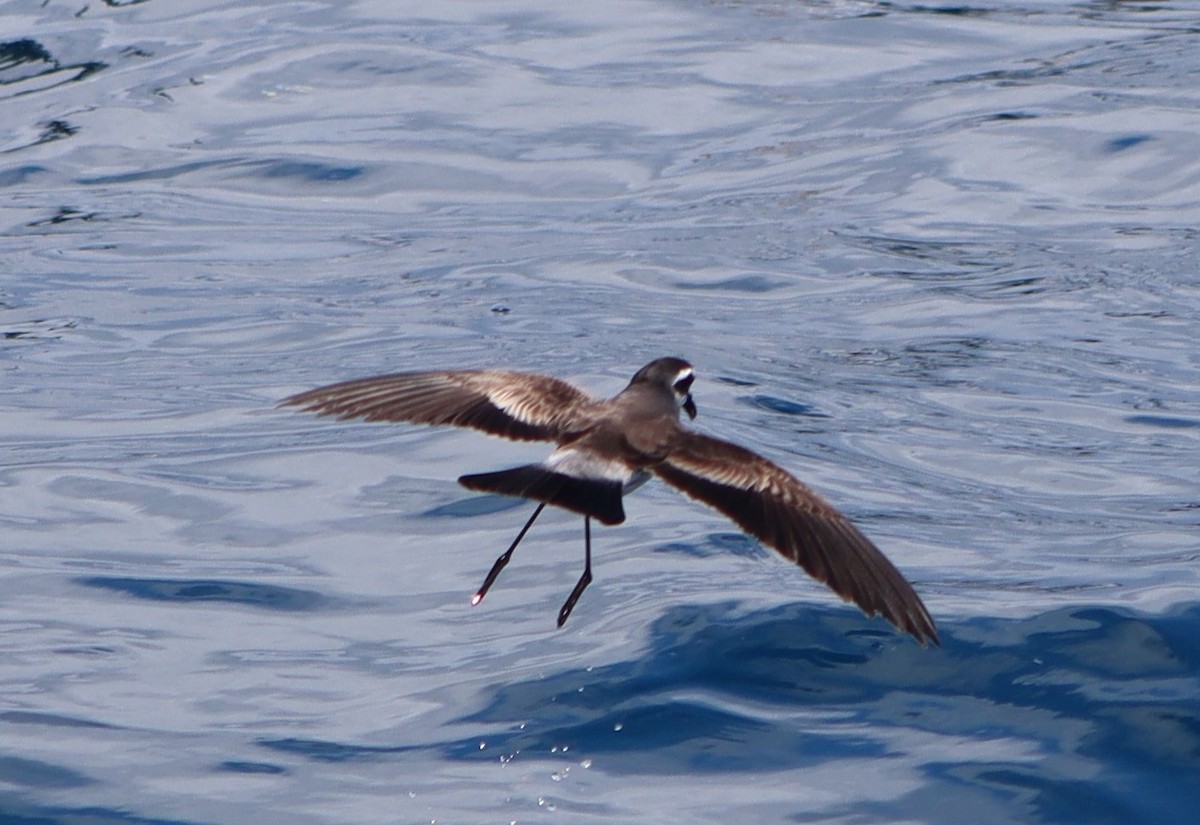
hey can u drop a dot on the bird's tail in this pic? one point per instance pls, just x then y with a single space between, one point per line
599 499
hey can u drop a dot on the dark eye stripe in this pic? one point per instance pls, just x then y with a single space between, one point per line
684 384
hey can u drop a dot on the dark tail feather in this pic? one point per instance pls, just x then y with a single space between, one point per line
589 497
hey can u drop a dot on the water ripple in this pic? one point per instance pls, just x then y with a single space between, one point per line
936 260
185 591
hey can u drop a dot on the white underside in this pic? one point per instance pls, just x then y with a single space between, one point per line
588 465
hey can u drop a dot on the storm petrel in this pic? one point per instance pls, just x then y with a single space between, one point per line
605 448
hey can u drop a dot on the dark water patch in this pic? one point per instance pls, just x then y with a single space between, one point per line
184 591
56 130
33 773
49 329
771 403
65 214
996 792
933 358
53 720
27 66
691 735
1150 313
157 173
325 751
679 733
47 132
16 810
1168 422
251 768
1127 142
1110 694
21 174
310 171
16 53
750 284
734 382
1009 116
1057 800
949 11
476 506
925 259
97 651
1024 285
69 214
738 544
764 658
1006 77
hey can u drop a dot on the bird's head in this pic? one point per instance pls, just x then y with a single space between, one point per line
674 374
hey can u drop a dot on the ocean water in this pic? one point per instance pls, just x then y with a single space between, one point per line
940 261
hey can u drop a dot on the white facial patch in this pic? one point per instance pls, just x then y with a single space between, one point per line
683 390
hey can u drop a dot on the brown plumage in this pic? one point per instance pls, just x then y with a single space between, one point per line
517 405
606 448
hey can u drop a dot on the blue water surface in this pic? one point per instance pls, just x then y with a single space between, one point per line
939 261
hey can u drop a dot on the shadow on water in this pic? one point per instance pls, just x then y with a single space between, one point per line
251 594
1083 710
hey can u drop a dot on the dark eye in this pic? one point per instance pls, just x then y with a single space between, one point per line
684 384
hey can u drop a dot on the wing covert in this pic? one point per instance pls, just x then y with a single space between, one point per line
773 506
516 405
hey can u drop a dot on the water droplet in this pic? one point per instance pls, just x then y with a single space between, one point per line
618 725
585 764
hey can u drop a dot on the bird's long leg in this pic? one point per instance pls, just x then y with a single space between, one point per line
585 579
505 556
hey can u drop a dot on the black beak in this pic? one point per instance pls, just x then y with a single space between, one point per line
689 406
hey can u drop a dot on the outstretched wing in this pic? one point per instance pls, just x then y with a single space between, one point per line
517 405
772 505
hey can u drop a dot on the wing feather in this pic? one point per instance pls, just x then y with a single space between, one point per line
517 405
773 506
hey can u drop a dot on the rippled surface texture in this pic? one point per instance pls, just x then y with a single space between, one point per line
940 261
